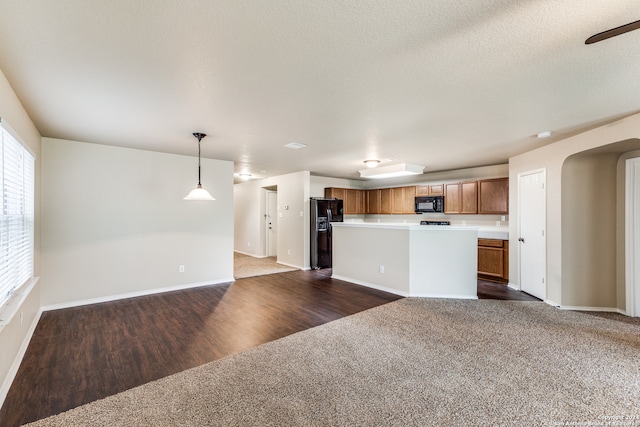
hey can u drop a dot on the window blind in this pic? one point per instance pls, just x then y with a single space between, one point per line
17 170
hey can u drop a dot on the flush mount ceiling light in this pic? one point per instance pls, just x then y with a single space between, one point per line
294 145
244 175
199 193
392 171
372 163
545 134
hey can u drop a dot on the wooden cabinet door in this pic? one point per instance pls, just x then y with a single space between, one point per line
350 201
493 196
373 201
436 190
430 190
469 197
410 200
362 201
397 200
334 193
452 198
493 259
385 200
490 261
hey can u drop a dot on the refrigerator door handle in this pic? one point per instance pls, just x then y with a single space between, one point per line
329 216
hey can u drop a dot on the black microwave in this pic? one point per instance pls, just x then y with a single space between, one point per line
429 204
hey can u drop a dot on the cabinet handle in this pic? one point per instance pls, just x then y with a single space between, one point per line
520 239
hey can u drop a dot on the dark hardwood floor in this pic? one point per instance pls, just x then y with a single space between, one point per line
493 290
81 354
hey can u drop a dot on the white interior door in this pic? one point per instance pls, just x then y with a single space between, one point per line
272 223
532 239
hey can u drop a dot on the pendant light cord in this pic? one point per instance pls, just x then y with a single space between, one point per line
199 184
199 136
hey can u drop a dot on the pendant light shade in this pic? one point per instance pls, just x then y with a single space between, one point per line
199 193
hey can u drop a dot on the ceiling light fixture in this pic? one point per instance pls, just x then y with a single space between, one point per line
295 145
244 175
392 171
372 163
545 134
199 193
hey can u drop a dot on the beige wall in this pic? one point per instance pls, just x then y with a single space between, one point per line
14 335
114 222
293 217
562 244
589 230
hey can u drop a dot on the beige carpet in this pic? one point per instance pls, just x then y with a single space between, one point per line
413 362
248 266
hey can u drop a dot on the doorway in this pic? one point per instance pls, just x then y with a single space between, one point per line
271 225
532 241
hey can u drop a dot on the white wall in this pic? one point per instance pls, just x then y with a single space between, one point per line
552 157
14 335
319 183
114 222
293 217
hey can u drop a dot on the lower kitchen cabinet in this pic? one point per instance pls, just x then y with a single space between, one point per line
493 260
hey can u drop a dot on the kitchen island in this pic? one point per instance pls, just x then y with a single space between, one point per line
408 260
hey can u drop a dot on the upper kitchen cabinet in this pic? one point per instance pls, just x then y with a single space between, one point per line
403 200
354 200
334 193
461 198
386 201
493 196
430 190
373 202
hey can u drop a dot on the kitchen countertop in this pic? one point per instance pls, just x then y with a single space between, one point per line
484 231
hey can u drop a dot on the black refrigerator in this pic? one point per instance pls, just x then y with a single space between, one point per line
323 213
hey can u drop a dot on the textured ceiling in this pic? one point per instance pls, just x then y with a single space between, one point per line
448 84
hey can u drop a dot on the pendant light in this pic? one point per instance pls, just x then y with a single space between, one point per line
199 193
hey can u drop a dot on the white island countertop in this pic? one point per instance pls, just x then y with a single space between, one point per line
484 231
407 259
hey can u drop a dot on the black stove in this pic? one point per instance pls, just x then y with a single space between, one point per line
435 222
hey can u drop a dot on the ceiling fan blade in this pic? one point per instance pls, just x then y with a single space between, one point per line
613 32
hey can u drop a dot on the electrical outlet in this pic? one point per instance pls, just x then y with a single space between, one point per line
21 317
382 269
504 218
181 269
288 251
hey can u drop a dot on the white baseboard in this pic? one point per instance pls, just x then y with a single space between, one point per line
290 265
370 285
600 309
445 296
13 370
512 286
133 294
251 255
